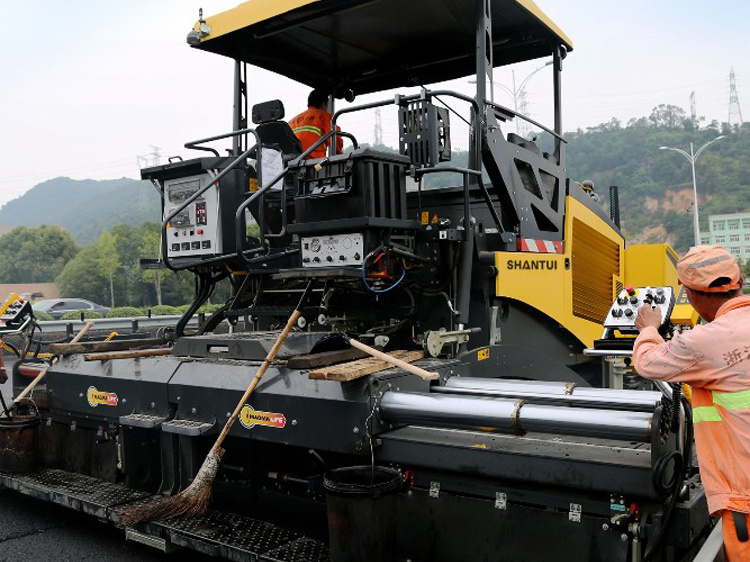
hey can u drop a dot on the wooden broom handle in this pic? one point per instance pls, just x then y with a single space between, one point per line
256 379
426 375
55 359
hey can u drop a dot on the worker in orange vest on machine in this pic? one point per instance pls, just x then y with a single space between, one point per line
714 359
309 126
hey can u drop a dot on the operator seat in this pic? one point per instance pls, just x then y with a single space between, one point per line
273 130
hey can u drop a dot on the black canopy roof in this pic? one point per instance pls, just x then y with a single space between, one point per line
372 45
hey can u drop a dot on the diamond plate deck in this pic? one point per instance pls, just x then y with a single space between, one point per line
76 491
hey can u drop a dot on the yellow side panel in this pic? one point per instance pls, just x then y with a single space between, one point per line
656 265
652 265
574 288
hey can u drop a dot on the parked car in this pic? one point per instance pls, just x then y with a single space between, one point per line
57 307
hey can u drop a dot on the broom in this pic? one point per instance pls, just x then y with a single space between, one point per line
194 499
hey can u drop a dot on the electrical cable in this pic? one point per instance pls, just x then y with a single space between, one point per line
364 272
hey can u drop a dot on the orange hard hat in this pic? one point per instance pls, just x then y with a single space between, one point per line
709 269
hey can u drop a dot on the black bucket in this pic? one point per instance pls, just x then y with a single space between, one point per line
19 443
361 503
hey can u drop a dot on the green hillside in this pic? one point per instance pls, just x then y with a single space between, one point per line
84 207
656 185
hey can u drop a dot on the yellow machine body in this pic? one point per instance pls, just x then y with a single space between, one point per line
574 288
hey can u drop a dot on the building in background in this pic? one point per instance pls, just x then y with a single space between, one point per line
732 232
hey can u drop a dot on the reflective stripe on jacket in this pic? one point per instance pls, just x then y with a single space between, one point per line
715 360
309 126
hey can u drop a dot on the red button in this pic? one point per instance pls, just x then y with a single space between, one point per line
200 231
630 290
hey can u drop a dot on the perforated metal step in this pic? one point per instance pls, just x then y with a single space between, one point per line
237 537
76 491
146 421
219 534
187 427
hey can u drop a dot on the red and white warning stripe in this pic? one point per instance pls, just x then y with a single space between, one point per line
540 246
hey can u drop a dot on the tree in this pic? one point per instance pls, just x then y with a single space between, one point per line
668 116
82 278
152 248
107 261
35 255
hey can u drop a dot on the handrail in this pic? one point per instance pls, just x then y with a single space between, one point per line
202 190
192 145
240 236
398 100
525 118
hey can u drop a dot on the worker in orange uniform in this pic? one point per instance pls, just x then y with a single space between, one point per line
309 126
714 359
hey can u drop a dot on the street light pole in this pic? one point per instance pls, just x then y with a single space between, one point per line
692 157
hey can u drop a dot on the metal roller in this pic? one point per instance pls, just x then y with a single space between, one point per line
544 392
514 416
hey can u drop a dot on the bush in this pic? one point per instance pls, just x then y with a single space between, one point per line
126 312
209 308
76 315
42 316
164 310
206 308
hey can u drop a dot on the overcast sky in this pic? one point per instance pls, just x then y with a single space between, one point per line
88 86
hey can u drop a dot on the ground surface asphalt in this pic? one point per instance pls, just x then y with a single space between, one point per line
35 530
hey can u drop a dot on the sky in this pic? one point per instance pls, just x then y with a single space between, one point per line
87 87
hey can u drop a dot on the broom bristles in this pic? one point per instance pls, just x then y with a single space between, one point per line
193 500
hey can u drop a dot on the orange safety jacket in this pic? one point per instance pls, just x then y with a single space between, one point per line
715 360
309 126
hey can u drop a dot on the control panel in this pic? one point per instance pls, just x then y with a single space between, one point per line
15 312
622 314
333 250
195 231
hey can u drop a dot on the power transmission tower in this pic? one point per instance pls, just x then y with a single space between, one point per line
735 113
693 110
155 155
378 128
522 125
153 158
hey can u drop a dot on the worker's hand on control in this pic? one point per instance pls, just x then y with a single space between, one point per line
648 316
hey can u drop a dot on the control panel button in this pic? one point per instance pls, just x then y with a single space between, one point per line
186 245
629 312
206 244
633 300
622 300
195 245
176 247
630 290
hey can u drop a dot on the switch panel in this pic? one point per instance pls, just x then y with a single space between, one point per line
194 231
333 250
622 314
